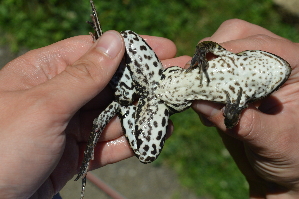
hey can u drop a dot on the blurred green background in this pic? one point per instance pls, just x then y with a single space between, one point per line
195 152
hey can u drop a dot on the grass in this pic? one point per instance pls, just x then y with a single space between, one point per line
195 152
203 164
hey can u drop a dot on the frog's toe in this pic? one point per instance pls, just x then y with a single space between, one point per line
232 113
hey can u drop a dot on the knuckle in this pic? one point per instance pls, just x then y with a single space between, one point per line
86 71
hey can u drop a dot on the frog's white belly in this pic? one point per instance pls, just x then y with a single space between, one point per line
258 73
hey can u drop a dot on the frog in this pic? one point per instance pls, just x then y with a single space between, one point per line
233 79
146 94
144 118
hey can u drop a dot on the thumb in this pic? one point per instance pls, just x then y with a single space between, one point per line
250 127
80 82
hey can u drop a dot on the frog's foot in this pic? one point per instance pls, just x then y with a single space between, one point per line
201 62
232 111
145 127
98 126
95 23
199 58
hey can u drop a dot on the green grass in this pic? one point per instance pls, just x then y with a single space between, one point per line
203 164
195 152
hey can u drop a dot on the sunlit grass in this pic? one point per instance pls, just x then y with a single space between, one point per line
203 164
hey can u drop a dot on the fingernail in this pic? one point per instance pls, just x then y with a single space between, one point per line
109 43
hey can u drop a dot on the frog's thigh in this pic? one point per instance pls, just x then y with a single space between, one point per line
151 128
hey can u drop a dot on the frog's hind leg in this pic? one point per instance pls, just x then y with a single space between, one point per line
98 126
95 23
232 111
200 60
150 128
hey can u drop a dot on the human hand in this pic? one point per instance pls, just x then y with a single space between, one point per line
265 143
49 98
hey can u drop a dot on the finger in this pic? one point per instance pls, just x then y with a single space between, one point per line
251 123
111 152
177 61
234 29
112 130
164 48
79 83
212 112
116 150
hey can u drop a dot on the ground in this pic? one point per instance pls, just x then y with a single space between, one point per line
133 180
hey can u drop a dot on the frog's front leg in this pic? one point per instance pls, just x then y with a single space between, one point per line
98 126
232 111
95 23
200 60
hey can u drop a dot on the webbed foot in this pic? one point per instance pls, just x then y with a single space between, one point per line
199 58
232 111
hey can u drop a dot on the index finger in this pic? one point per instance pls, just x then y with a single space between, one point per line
234 29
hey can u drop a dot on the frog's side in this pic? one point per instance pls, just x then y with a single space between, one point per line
232 79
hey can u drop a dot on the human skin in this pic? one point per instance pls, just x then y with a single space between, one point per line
49 98
265 143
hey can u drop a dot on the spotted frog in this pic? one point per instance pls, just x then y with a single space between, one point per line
232 79
145 123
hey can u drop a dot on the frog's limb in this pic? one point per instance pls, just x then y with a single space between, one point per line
95 23
149 117
232 111
199 59
98 126
142 61
127 116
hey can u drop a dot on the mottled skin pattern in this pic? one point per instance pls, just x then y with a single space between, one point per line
146 94
229 78
145 123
